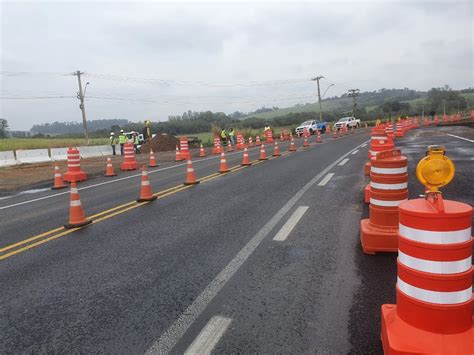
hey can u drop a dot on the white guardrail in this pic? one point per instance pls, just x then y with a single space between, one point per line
32 156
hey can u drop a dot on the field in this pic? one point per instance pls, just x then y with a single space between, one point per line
37 143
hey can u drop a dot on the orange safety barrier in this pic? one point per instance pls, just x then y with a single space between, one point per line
58 179
109 169
334 136
74 172
250 142
216 149
152 163
388 188
328 130
263 153
184 148
389 131
229 147
378 143
223 167
145 187
399 130
178 155
269 136
434 310
240 141
190 175
257 141
245 158
77 217
129 163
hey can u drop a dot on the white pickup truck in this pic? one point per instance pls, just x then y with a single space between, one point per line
348 122
311 126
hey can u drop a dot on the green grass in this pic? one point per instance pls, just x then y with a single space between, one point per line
37 143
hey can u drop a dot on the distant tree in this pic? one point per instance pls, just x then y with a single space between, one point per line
439 98
3 128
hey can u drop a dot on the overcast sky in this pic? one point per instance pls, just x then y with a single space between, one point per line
148 60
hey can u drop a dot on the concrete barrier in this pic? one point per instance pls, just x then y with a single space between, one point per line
106 150
58 154
32 155
90 151
7 158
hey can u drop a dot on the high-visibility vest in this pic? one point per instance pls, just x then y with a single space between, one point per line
112 140
223 134
122 139
136 141
231 133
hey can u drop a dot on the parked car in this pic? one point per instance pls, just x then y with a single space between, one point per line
348 122
312 127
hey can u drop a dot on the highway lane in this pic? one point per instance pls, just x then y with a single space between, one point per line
49 213
119 285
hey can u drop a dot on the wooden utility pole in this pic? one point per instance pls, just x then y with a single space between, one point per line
354 93
319 97
80 96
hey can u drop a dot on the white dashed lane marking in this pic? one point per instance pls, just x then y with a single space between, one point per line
326 179
355 152
209 336
343 162
290 224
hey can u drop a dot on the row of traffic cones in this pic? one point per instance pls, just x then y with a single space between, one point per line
77 216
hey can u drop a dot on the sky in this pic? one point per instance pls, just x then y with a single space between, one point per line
148 60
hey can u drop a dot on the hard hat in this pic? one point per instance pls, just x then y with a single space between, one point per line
121 131
112 133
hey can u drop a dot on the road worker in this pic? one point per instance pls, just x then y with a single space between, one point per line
224 137
136 142
122 140
147 131
232 136
113 141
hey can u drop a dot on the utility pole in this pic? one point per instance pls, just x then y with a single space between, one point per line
354 93
319 97
444 107
80 96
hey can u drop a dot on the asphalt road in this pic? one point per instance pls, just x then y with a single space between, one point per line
199 269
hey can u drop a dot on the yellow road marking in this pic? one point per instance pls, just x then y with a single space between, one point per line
118 210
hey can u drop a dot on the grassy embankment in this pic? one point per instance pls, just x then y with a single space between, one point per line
38 143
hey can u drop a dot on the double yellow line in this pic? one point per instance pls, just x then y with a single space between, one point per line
24 245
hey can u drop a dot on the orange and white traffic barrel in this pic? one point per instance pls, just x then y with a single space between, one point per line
378 143
434 310
387 189
399 129
74 172
129 162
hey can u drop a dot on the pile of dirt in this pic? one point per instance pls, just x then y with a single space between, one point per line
160 143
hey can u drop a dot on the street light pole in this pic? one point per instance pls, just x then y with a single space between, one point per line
80 96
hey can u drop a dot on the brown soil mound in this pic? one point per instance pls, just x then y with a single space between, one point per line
160 143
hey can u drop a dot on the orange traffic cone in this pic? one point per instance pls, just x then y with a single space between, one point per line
263 153
153 162
145 189
276 150
202 153
223 168
190 176
305 142
318 138
281 136
334 136
58 179
77 217
340 132
292 145
257 141
229 147
109 170
178 155
245 158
